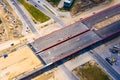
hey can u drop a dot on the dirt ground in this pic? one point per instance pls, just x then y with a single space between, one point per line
21 61
83 5
106 22
49 76
11 9
11 27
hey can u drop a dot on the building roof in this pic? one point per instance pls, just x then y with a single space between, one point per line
68 1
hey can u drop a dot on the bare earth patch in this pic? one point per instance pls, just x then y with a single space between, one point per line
11 27
49 76
21 61
83 5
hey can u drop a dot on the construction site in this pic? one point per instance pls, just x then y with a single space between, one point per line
25 59
18 63
11 26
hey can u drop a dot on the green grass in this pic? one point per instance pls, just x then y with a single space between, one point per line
37 14
54 2
91 72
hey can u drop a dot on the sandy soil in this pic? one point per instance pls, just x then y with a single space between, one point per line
13 12
49 76
6 46
21 61
11 28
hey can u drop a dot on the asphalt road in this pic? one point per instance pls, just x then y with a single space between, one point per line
105 65
108 30
75 44
30 25
61 35
57 37
102 16
78 42
67 48
41 8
